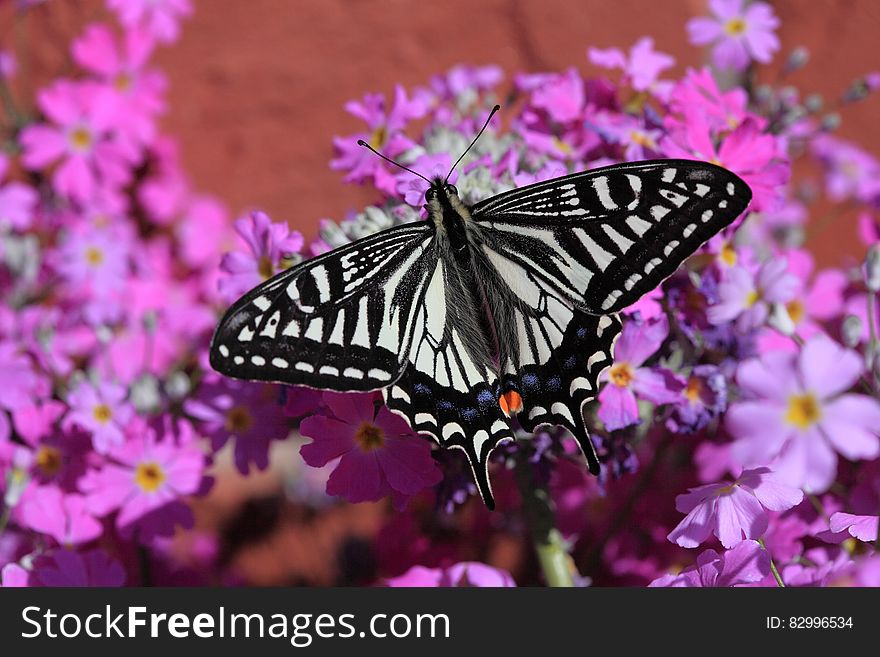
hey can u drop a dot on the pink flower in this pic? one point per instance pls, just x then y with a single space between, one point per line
18 201
741 33
698 94
14 576
641 69
94 261
81 136
65 568
63 516
863 528
145 479
732 511
464 574
101 410
413 188
747 298
159 17
561 96
384 133
268 244
378 454
850 171
19 382
135 91
626 378
746 563
250 414
802 414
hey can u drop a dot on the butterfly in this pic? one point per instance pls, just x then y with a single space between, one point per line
479 314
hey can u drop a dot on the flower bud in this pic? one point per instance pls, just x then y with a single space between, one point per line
797 59
780 319
830 122
872 268
851 331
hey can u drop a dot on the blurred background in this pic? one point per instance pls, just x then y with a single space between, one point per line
258 91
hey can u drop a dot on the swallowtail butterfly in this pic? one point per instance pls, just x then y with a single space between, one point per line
482 313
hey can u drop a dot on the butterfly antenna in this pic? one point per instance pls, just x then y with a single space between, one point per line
361 142
485 125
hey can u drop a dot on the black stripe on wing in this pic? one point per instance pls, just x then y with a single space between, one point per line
605 237
341 321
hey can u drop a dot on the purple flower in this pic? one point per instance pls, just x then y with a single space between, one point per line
19 382
81 138
641 69
268 244
145 479
850 171
742 565
741 33
626 378
65 568
377 451
732 511
63 516
101 410
384 133
863 528
802 415
413 188
250 414
159 17
747 298
703 398
17 201
464 574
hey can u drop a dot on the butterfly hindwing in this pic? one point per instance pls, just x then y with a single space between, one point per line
340 321
605 237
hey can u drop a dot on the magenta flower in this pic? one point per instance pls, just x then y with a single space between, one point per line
14 576
268 244
94 261
161 18
639 142
431 166
377 451
744 564
18 201
561 96
80 137
703 398
627 379
642 68
732 511
384 133
698 94
145 479
863 528
66 568
19 381
250 414
464 574
747 298
63 516
135 92
741 33
802 415
102 410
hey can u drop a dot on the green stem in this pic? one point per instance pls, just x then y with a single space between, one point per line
4 519
773 568
556 564
871 353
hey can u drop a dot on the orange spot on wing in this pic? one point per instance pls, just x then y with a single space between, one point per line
510 402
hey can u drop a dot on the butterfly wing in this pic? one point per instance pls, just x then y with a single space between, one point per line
605 237
565 255
340 321
449 390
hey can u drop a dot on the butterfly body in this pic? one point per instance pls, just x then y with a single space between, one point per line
507 308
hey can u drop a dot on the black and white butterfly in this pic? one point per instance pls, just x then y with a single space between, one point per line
507 307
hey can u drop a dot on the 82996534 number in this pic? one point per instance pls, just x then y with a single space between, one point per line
820 622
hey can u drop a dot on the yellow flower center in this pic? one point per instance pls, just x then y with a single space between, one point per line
727 255
562 146
621 375
94 256
149 476
726 490
642 139
369 437
80 139
123 82
377 139
803 410
265 268
735 27
238 419
752 298
693 390
795 309
102 413
48 460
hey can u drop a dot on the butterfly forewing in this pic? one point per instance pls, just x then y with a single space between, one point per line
341 321
605 237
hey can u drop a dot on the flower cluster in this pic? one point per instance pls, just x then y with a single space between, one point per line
740 414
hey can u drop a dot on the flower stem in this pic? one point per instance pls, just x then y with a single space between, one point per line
773 568
4 518
556 563
871 352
